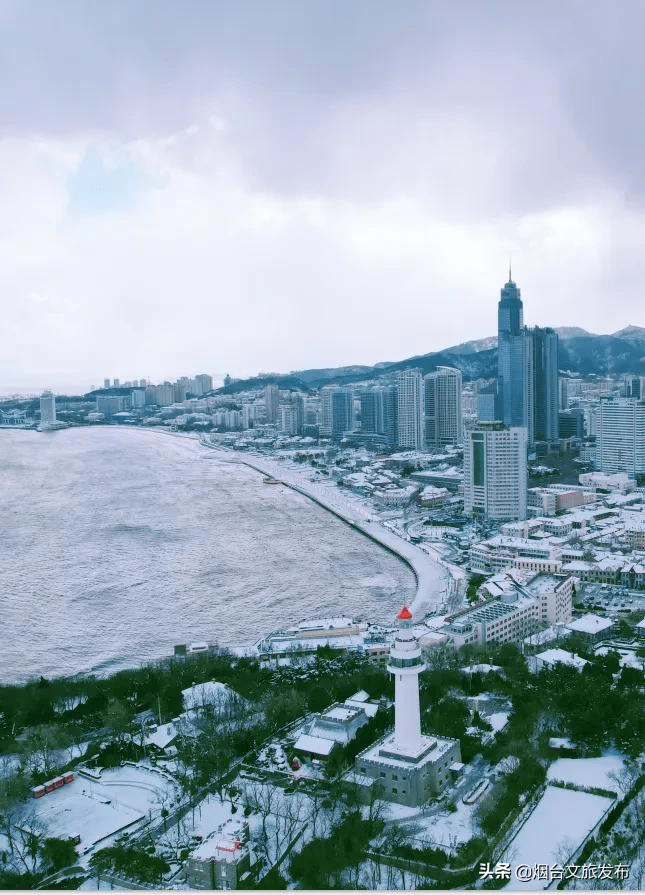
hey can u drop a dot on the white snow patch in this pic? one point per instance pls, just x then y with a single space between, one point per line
589 772
555 829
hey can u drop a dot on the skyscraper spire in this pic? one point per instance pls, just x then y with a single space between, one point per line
510 277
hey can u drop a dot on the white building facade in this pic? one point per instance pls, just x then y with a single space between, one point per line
443 407
620 445
495 472
410 428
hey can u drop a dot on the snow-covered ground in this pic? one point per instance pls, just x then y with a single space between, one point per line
441 828
555 829
589 772
97 809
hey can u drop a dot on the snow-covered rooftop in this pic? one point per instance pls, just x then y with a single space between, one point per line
590 624
552 656
317 745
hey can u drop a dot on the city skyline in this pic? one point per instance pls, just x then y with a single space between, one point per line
221 185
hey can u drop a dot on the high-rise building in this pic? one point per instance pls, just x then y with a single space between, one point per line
545 383
634 387
443 413
342 412
620 443
563 393
292 415
47 408
495 472
514 362
371 411
325 411
106 383
390 413
336 411
271 402
204 383
571 423
410 432
378 412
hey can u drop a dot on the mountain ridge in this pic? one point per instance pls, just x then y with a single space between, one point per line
579 353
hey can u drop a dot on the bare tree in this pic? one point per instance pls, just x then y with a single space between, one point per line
625 777
27 840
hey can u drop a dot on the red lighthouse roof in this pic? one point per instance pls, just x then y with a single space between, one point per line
405 614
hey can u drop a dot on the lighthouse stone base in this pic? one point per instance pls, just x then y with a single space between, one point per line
409 776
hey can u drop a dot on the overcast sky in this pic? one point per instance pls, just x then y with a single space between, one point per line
236 186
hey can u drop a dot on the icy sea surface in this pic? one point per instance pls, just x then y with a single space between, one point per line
116 544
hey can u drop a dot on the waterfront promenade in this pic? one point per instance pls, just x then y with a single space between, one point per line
432 574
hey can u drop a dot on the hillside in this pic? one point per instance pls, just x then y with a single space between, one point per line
580 353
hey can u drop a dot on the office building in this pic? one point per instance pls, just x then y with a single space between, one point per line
443 408
47 408
545 383
571 423
515 379
336 412
371 401
410 399
271 402
620 443
513 611
495 472
203 383
378 409
292 415
342 412
634 387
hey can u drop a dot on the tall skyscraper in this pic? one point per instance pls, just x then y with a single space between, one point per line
514 362
620 443
495 471
545 383
292 415
379 412
371 411
410 432
325 411
271 402
443 412
336 411
342 412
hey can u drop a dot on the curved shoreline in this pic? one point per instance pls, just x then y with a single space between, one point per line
430 574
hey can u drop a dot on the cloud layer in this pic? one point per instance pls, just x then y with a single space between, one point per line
250 186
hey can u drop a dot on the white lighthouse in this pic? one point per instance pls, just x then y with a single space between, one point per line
406 664
405 765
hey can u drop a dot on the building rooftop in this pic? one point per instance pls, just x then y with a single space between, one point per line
552 656
318 745
385 752
590 624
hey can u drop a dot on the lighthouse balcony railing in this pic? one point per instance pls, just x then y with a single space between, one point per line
403 663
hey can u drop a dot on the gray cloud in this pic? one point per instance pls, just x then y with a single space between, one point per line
284 184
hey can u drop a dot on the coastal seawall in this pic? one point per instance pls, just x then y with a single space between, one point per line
431 577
